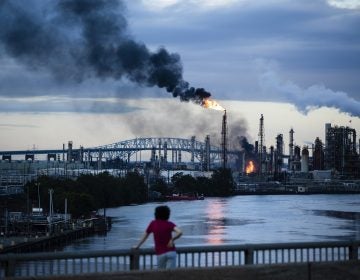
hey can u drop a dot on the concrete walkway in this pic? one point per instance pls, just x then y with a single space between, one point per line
349 270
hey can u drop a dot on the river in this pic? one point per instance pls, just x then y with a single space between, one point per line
237 220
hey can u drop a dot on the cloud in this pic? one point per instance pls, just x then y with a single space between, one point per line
66 105
315 43
204 4
9 125
345 4
305 99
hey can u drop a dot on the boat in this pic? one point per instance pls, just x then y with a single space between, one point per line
187 196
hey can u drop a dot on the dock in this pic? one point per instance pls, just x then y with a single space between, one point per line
48 242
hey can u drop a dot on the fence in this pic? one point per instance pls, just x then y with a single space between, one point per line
72 263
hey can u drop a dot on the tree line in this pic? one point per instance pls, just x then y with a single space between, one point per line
90 192
221 183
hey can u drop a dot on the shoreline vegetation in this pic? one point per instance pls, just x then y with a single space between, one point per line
84 196
89 193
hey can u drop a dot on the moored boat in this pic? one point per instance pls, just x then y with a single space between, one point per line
187 196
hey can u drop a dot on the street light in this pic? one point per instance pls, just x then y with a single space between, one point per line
51 209
38 190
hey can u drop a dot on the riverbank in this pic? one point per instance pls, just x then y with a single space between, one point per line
283 192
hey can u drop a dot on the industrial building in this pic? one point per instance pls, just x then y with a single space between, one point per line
340 150
339 155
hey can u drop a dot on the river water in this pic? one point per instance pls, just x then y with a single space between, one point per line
237 220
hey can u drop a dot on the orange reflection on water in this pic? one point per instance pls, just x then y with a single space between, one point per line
215 216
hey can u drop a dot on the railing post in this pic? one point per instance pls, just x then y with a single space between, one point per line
134 260
353 251
249 256
10 266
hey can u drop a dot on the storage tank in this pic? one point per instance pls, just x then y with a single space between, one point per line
305 159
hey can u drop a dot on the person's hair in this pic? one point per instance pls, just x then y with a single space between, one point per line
162 212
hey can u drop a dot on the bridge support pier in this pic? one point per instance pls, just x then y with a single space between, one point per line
51 156
29 156
6 157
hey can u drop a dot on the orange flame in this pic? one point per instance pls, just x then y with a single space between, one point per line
211 104
250 168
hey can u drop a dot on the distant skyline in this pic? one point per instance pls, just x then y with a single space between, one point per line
296 62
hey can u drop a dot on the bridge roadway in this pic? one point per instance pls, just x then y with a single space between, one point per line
125 149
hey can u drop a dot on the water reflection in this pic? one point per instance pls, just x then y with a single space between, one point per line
215 215
344 215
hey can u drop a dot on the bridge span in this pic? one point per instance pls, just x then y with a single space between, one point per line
165 149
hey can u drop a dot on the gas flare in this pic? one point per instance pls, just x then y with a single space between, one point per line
211 104
250 168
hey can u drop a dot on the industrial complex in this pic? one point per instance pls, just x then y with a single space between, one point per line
331 158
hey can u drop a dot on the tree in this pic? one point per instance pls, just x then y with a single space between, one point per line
222 182
185 184
135 188
80 204
159 186
203 185
177 176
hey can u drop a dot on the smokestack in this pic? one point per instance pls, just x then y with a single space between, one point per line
207 153
291 143
291 148
305 160
261 142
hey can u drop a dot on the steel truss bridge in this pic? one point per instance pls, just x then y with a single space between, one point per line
160 147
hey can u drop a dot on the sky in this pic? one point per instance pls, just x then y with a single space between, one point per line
98 72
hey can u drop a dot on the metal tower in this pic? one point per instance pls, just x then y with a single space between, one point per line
291 148
224 141
261 142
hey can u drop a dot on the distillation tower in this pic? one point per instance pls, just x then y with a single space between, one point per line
340 150
291 148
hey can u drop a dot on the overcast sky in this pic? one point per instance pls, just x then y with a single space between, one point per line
93 71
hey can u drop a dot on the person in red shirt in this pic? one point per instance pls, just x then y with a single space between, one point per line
163 230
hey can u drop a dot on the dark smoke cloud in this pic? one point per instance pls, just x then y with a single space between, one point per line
249 148
190 119
82 39
237 130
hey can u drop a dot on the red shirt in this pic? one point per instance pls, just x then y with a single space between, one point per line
162 230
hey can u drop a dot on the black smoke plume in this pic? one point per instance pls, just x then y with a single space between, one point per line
82 39
247 147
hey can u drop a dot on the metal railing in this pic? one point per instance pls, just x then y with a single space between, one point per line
72 263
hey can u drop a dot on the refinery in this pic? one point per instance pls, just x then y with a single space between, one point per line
332 161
